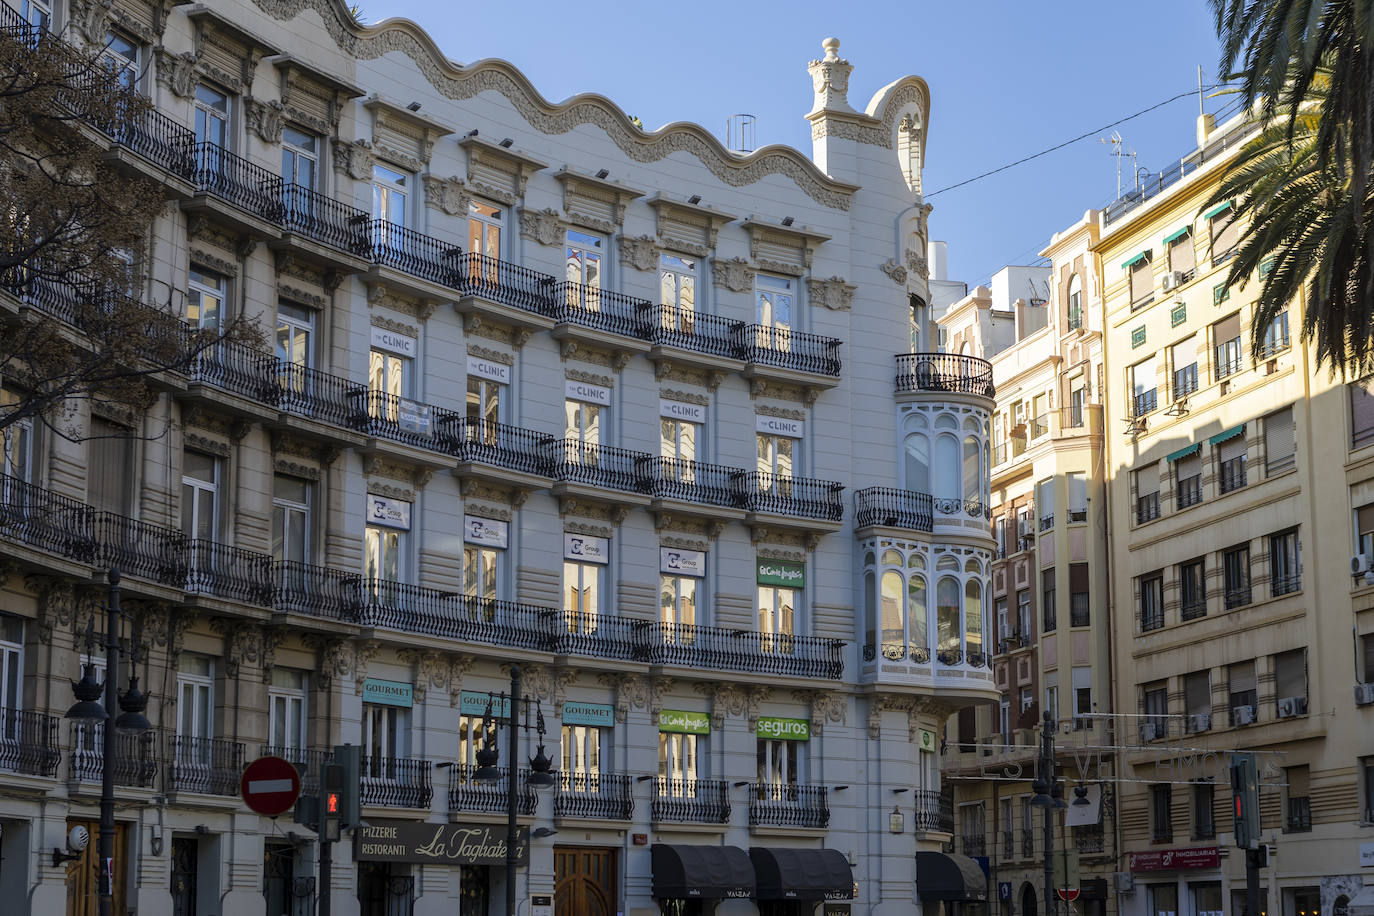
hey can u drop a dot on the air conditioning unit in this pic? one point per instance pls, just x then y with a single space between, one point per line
1200 722
1359 564
1151 731
1364 694
1288 708
1243 715
1172 280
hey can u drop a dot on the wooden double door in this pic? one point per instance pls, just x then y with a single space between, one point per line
584 881
83 873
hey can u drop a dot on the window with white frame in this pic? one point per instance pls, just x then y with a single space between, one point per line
680 576
290 518
200 482
473 733
11 673
287 711
583 254
678 766
16 444
483 404
583 746
295 341
584 580
486 223
896 607
300 162
1052 694
385 539
120 57
385 738
777 617
205 296
212 117
583 430
481 571
677 445
390 189
195 707
677 283
37 13
781 763
1144 387
1082 698
1075 303
388 382
773 297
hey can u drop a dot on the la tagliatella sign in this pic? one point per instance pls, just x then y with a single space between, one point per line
437 844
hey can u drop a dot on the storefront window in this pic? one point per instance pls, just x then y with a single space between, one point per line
1206 898
1163 899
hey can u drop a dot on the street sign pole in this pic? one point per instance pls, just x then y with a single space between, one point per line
1252 888
326 863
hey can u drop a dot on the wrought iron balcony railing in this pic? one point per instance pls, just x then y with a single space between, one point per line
317 591
237 368
765 491
596 635
228 572
785 348
317 395
688 329
29 742
700 801
497 444
307 762
138 548
46 521
934 811
596 464
944 372
594 795
1232 476
694 646
136 755
691 481
414 609
505 283
409 422
237 181
602 309
396 782
893 508
208 766
786 805
414 252
468 794
325 220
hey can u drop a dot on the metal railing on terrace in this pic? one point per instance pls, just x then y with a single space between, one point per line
700 801
944 372
783 654
594 795
466 793
1171 174
893 508
787 805
29 742
601 309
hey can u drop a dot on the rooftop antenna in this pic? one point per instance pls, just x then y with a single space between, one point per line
1201 112
739 133
1119 149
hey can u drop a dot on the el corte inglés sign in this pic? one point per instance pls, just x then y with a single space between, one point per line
683 722
781 572
437 844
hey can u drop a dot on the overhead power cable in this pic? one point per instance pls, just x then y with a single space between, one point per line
1059 146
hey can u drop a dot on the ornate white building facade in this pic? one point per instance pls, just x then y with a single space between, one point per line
619 406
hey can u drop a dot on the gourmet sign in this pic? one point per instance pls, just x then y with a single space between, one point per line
437 844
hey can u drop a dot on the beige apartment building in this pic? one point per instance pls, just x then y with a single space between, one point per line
1239 491
1051 637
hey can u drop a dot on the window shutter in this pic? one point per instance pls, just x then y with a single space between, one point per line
1299 781
1242 677
1078 492
1181 257
111 467
1232 448
1188 467
1365 518
1226 329
1147 480
1078 577
1047 579
1278 436
1290 674
1197 692
1362 410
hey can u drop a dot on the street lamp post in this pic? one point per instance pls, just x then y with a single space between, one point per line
1044 786
131 719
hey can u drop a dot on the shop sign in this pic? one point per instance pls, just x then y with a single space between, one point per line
388 693
781 572
437 844
1003 890
1367 855
681 410
541 905
474 703
1166 859
785 729
585 391
781 426
676 562
683 722
413 417
392 513
588 714
837 909
927 737
486 369
586 548
391 342
486 531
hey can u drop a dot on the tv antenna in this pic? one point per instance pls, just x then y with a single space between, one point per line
1119 150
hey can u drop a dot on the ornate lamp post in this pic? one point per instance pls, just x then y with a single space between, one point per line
131 720
1046 788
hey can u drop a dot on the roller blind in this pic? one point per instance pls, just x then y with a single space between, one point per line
1290 674
1279 444
1226 329
1147 479
110 469
1241 677
1181 256
1189 467
1232 448
1364 518
1078 492
1362 411
1299 781
1197 693
1078 577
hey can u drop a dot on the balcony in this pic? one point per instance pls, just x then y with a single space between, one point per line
1090 839
691 801
45 521
504 291
1144 402
402 256
416 425
692 646
396 782
692 482
595 465
235 368
320 405
491 450
596 635
1151 618
599 796
893 508
317 591
328 232
206 766
28 743
577 305
973 845
427 611
466 794
138 549
135 762
1232 474
945 373
934 811
786 805
307 761
765 492
691 337
221 571
796 356
252 194
152 136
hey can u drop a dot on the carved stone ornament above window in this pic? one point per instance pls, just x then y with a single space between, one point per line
496 171
688 228
312 97
219 265
542 226
447 195
354 159
895 271
225 52
301 297
265 119
641 253
833 293
783 249
90 19
734 274
597 203
402 135
176 71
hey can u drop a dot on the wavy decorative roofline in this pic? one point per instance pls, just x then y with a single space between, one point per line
456 81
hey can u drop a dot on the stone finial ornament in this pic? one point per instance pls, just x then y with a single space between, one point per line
830 79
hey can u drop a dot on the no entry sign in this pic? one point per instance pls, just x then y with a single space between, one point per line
270 786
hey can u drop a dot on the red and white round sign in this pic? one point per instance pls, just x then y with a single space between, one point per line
270 786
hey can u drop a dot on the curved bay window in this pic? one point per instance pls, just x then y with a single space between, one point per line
898 613
947 458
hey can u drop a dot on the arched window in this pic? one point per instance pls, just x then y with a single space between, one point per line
973 616
973 480
916 463
1075 303
894 633
916 613
947 614
946 467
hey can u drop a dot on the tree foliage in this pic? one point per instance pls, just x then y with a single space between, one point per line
1304 185
73 225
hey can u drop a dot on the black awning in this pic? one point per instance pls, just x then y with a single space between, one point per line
948 876
701 872
802 874
1093 888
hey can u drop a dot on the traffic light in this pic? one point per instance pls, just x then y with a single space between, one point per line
331 798
349 758
1245 800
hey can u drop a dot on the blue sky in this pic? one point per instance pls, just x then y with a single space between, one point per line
1007 79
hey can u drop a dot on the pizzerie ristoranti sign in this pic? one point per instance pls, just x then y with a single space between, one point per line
437 844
